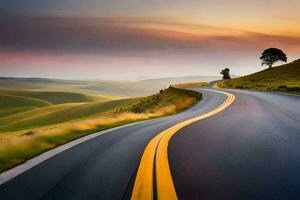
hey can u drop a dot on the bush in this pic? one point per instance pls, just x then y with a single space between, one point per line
282 87
293 89
28 133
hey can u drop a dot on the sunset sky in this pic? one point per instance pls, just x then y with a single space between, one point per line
136 39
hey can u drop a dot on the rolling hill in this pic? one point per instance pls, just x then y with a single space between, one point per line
18 101
11 104
104 88
284 78
48 114
55 97
43 125
57 114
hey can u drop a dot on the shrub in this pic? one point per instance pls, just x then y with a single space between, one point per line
293 89
282 87
28 133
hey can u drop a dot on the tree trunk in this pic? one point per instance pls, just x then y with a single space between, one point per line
270 66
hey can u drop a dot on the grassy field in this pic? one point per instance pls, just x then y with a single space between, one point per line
42 121
56 97
10 104
13 101
190 84
284 78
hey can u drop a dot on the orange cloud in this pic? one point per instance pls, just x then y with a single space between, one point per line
117 35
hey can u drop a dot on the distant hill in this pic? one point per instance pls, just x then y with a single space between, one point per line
55 97
17 101
11 104
98 87
182 79
284 78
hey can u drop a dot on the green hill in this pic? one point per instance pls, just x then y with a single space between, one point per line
10 104
30 132
54 114
57 114
284 78
55 97
18 101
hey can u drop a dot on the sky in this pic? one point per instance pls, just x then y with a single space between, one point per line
137 39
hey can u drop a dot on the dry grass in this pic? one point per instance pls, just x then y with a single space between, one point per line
192 84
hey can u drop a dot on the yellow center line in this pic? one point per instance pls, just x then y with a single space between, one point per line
157 152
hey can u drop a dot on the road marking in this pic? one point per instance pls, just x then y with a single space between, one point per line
156 153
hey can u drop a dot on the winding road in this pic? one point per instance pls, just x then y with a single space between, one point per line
249 150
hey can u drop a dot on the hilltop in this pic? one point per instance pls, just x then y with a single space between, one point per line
284 78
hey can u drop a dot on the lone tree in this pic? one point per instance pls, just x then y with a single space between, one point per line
225 73
272 55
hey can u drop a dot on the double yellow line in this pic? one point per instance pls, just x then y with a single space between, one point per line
154 166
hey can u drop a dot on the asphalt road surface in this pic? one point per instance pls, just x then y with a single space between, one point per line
249 151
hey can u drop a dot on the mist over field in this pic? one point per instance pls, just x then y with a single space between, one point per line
99 87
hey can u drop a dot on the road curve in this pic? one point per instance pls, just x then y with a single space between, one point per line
153 179
248 151
102 168
251 150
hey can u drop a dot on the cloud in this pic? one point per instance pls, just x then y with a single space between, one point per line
128 36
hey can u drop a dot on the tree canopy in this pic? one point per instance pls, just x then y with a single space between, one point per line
272 55
225 73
